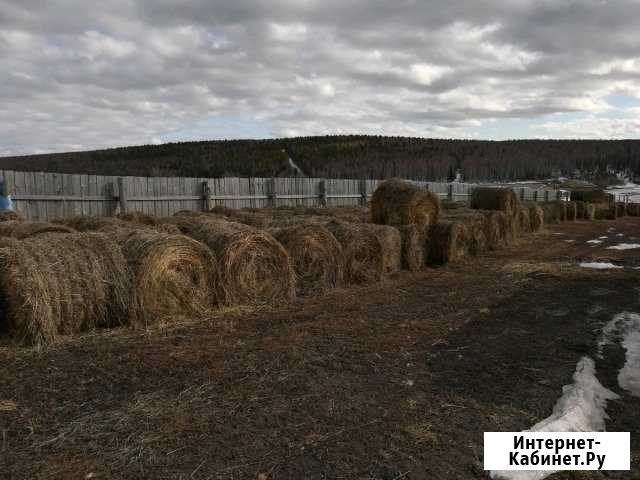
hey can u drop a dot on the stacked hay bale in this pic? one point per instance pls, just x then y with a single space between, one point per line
172 275
58 284
403 205
254 268
413 247
477 225
254 219
317 256
363 252
22 229
391 241
501 199
449 242
87 223
572 211
10 215
536 216
396 202
140 218
495 232
524 220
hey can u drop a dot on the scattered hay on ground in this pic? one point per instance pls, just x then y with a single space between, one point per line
363 252
172 275
397 202
317 256
60 284
493 198
23 229
10 215
448 242
254 268
413 246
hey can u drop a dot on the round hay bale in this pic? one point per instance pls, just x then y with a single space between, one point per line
59 284
391 242
493 231
253 219
606 211
316 255
172 275
572 211
254 268
536 216
477 225
621 209
448 242
139 218
524 220
363 252
22 230
396 202
87 223
10 216
494 198
413 243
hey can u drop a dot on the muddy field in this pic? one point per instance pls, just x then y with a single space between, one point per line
398 380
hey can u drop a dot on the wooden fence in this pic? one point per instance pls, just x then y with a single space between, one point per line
48 196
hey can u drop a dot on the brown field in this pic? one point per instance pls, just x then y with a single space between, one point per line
393 380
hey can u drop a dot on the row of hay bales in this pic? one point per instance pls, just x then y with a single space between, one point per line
82 273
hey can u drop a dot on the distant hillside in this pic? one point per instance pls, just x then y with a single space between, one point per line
349 157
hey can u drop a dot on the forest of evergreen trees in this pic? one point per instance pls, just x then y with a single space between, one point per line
351 156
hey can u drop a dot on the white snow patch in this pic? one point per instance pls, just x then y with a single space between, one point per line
595 242
626 327
599 265
624 246
580 409
603 238
569 241
620 235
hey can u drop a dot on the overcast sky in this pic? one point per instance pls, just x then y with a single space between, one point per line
78 74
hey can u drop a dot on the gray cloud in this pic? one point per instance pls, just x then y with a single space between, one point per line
128 72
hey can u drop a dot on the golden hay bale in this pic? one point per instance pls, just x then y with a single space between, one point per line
396 202
448 242
536 216
413 246
363 252
86 223
477 226
60 284
391 242
493 198
138 217
254 268
316 255
253 219
633 209
621 209
453 205
594 195
10 215
572 211
493 231
172 275
21 230
524 220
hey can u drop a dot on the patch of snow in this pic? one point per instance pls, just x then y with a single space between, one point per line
580 409
569 241
595 242
624 246
620 235
599 265
557 233
626 328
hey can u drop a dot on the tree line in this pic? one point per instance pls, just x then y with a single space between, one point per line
350 156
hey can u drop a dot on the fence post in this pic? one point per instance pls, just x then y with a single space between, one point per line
206 196
546 195
535 196
323 193
522 194
122 195
363 192
450 192
273 195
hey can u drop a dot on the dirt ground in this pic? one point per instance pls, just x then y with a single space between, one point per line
393 381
